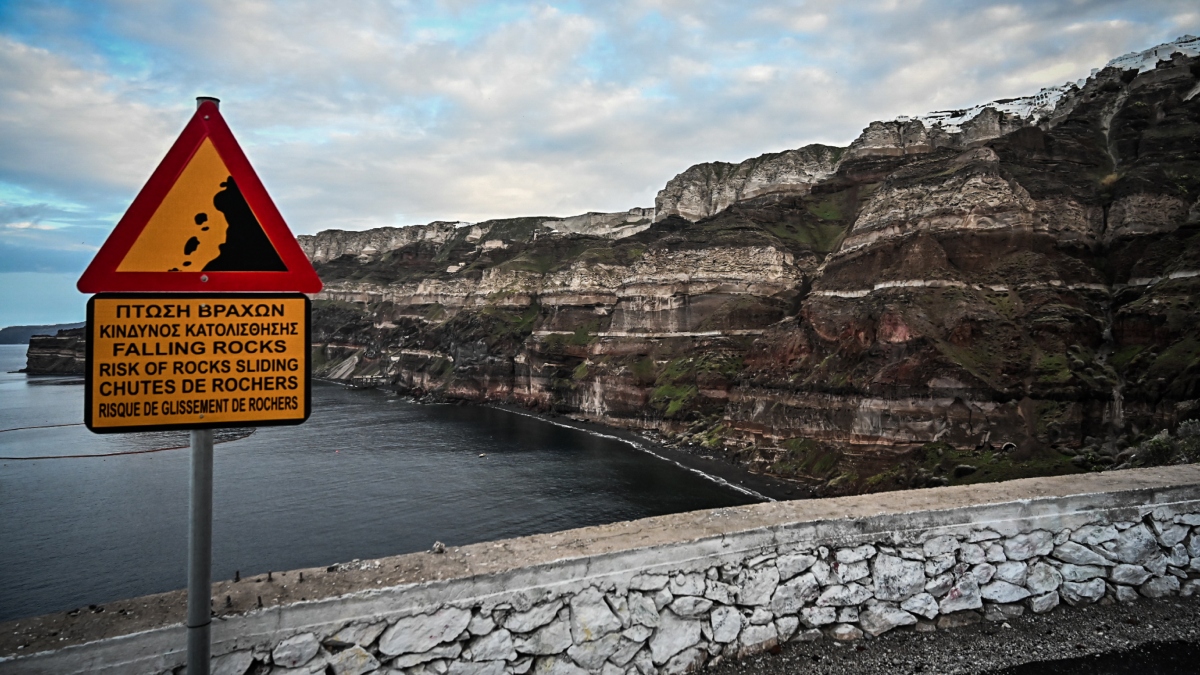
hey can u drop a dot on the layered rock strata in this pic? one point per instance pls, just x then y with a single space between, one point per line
1017 305
706 189
64 353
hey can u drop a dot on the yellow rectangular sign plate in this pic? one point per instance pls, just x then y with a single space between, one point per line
158 361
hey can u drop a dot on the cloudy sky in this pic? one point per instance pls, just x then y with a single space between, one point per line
392 112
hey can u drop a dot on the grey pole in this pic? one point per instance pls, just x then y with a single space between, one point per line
199 594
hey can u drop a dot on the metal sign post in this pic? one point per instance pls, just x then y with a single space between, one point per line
199 322
199 588
199 593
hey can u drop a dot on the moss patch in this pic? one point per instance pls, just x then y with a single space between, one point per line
1052 369
941 459
804 457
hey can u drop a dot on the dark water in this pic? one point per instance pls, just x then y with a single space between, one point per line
367 476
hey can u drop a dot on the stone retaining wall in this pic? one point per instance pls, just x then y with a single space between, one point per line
672 594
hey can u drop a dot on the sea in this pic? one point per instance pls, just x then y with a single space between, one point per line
88 519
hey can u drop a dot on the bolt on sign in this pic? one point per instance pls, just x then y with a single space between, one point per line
199 319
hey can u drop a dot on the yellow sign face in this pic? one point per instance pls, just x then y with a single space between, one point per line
186 230
180 361
203 224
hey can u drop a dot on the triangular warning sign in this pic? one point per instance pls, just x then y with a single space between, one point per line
202 223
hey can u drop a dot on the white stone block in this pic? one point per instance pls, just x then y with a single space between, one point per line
1082 592
450 651
879 619
963 595
786 627
524 622
847 556
1026 546
690 607
939 585
995 553
791 596
759 586
1094 535
1080 573
721 592
1042 579
296 650
1131 575
649 582
843 595
791 565
495 646
556 665
1135 545
591 617
673 636
983 573
941 545
356 661
687 661
553 638
726 624
844 632
1078 554
972 554
1160 587
1003 592
815 617
591 655
921 604
854 571
897 579
1040 604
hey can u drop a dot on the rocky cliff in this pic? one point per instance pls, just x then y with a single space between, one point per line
706 189
371 244
932 305
64 353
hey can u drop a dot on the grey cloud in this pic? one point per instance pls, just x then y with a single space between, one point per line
355 120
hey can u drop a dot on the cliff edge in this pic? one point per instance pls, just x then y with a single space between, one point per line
64 353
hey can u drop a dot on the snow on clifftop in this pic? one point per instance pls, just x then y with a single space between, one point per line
1188 45
1041 103
1045 100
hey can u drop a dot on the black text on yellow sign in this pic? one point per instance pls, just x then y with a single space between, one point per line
184 361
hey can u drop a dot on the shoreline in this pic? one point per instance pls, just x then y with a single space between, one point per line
765 488
758 486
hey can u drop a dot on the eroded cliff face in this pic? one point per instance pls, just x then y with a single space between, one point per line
707 189
369 245
64 353
1020 303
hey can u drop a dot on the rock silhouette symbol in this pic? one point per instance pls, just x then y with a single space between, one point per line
246 247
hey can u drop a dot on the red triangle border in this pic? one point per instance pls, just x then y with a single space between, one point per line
101 276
